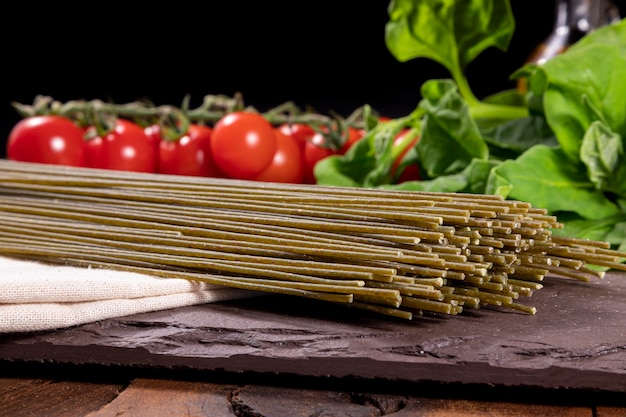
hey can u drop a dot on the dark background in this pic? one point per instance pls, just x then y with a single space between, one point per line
330 55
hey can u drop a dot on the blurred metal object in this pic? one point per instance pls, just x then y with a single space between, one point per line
573 20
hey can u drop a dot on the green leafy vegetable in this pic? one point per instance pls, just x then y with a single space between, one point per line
602 151
546 176
368 162
559 146
473 179
583 95
584 85
450 32
450 137
510 139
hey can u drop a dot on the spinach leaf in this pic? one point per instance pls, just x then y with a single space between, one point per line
512 97
536 83
602 151
450 137
368 162
510 139
448 184
450 142
473 179
560 146
587 84
617 235
574 225
612 34
610 229
547 178
450 32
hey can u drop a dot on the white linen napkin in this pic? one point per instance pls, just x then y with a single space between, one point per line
36 296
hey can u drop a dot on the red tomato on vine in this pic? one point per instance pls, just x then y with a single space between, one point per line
300 132
410 172
47 139
287 164
322 145
154 134
243 144
126 147
314 151
352 137
188 155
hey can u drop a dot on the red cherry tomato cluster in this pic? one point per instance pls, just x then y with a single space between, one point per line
125 147
315 145
240 145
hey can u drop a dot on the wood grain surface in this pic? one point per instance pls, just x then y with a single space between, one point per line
154 397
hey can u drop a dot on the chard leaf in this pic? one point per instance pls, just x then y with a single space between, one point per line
602 152
450 137
545 177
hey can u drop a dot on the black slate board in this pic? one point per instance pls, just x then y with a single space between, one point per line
577 341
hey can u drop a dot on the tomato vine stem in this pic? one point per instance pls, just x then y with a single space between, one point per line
212 109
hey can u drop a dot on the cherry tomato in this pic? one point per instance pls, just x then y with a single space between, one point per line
189 155
354 135
47 139
300 132
243 144
315 150
287 165
319 146
153 132
410 172
310 150
126 147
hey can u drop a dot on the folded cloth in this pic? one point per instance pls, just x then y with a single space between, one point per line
36 296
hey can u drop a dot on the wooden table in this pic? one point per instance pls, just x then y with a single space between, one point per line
153 397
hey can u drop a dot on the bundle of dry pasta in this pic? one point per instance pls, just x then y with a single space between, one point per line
393 252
